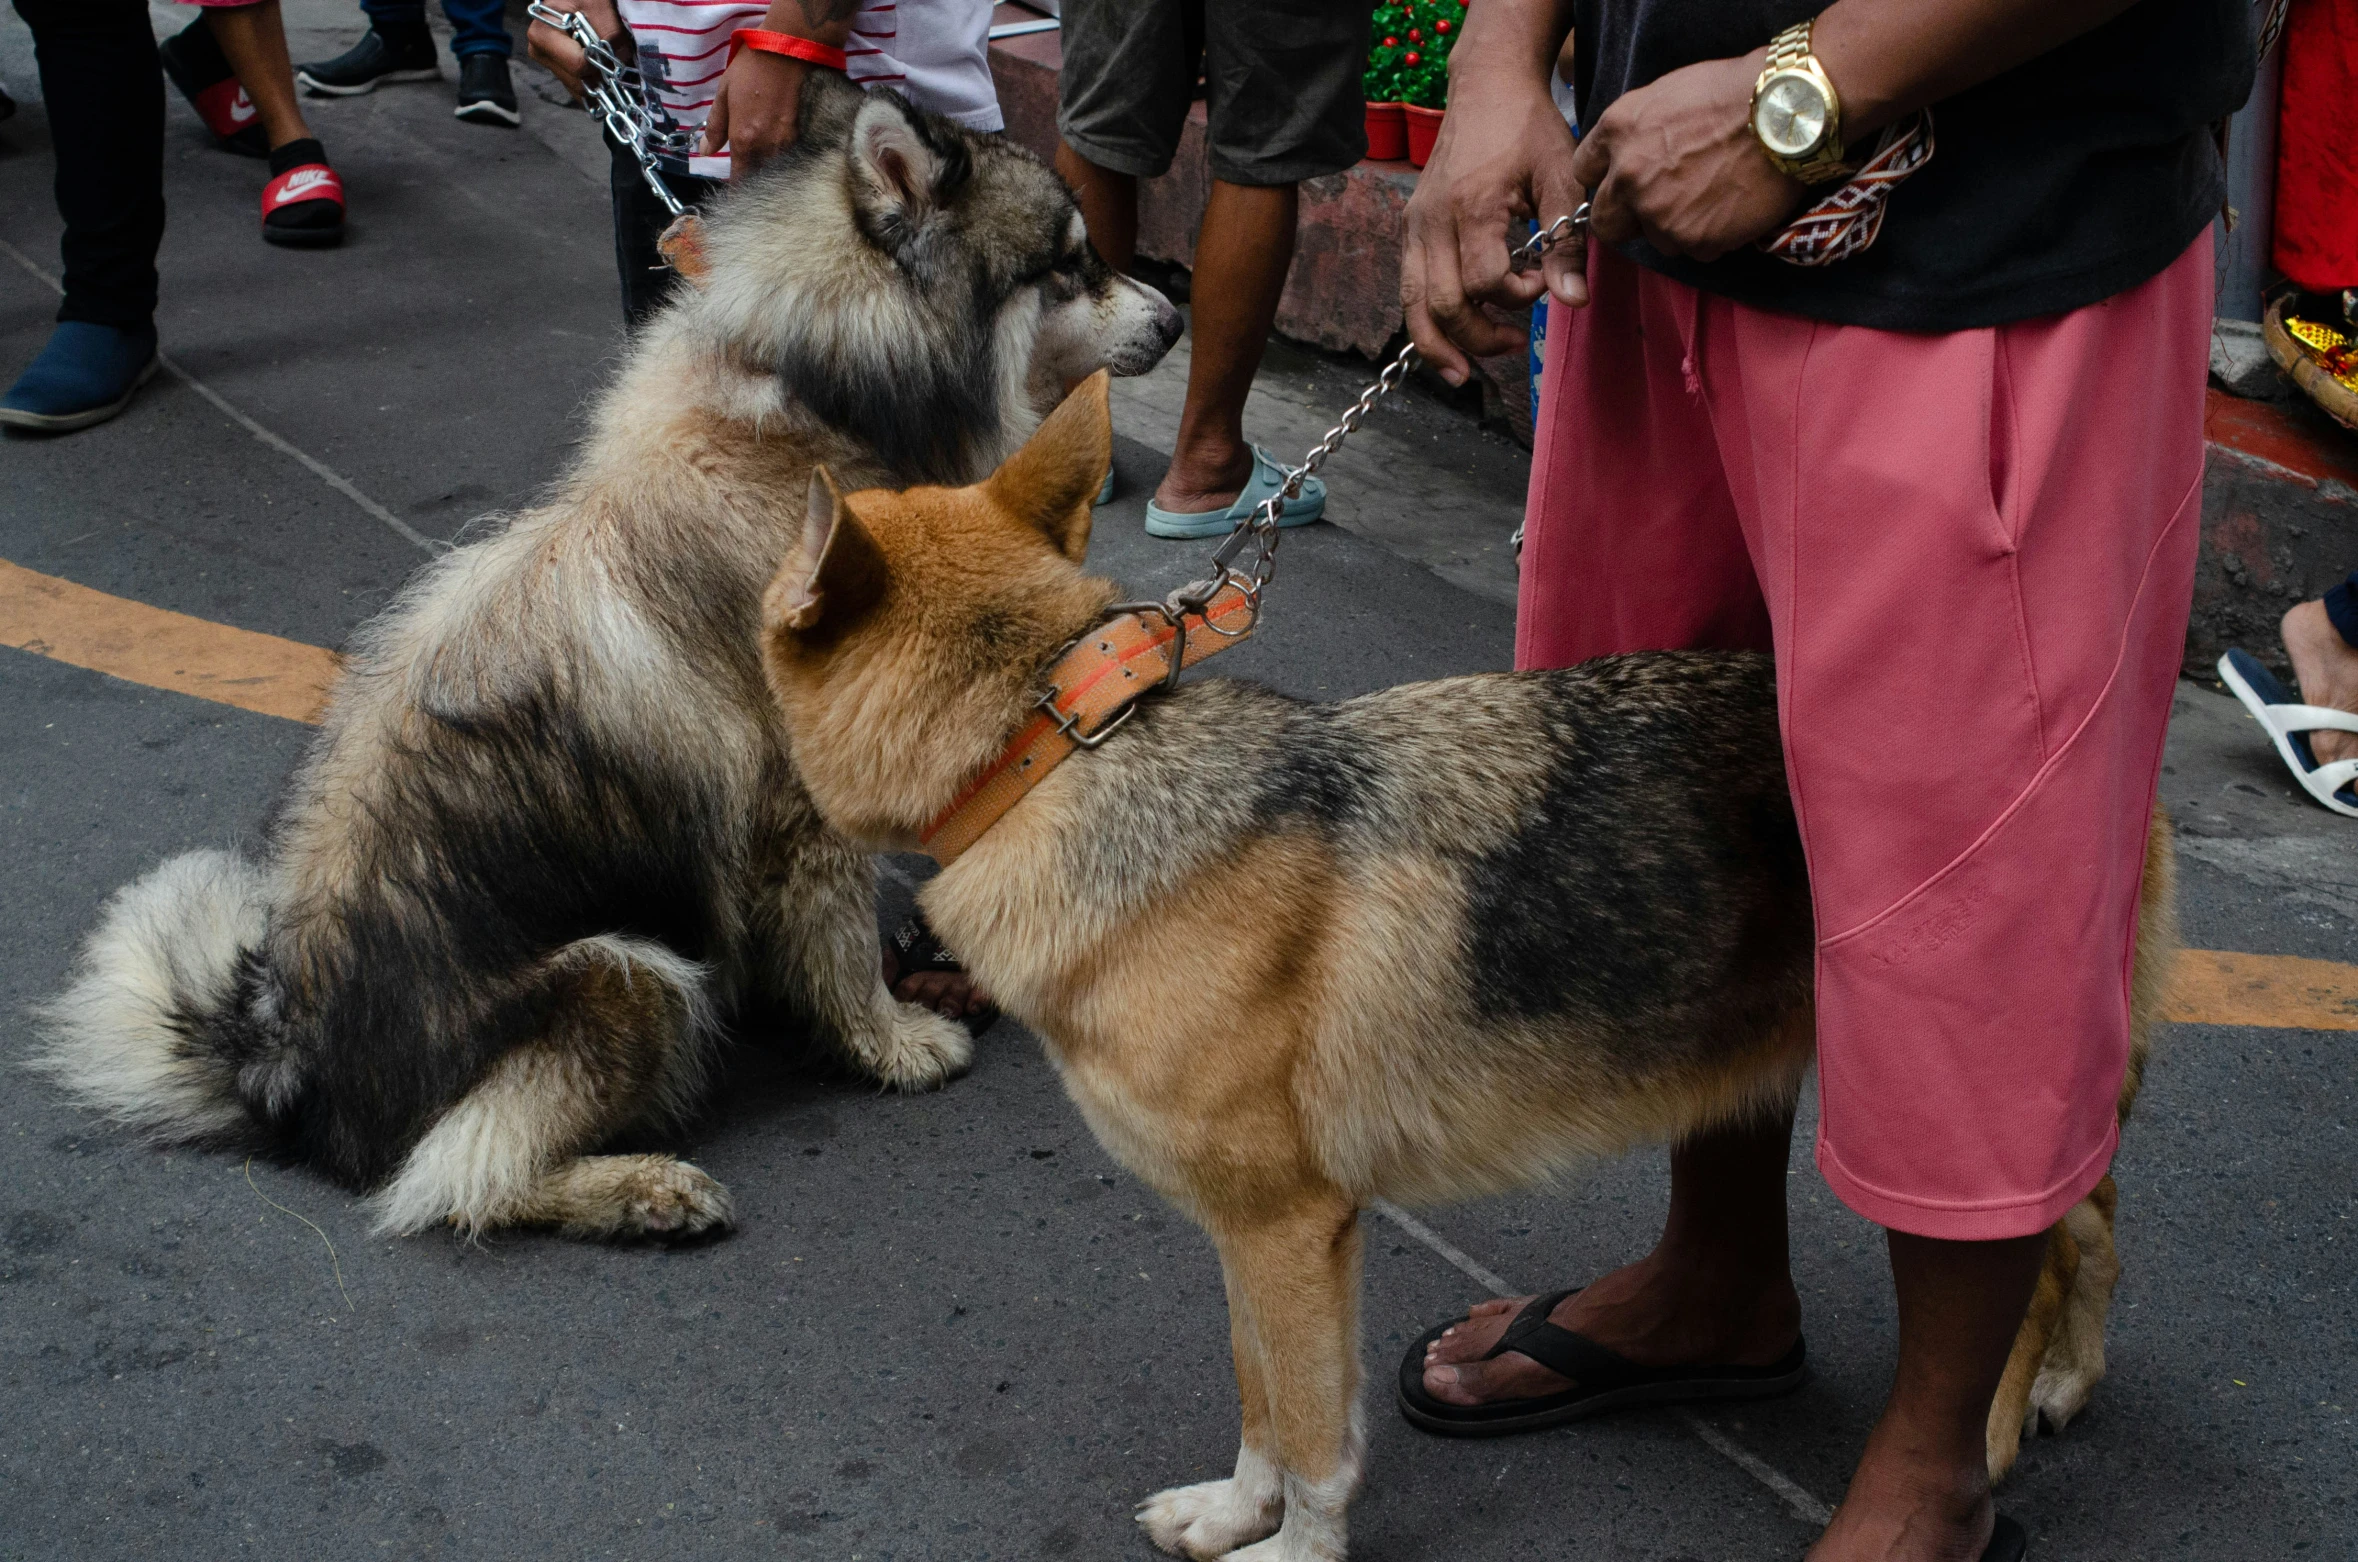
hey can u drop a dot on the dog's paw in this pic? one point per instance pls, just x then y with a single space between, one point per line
679 1201
1282 1547
1209 1520
2060 1393
920 1050
652 1196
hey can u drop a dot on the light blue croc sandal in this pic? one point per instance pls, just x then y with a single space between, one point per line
1268 477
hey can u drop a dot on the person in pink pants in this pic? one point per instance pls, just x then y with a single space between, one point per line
1953 482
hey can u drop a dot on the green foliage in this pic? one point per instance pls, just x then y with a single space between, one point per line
1408 51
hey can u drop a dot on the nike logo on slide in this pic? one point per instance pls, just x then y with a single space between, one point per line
300 183
241 108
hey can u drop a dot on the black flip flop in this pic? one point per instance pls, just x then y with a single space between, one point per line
915 948
2008 1543
1602 1380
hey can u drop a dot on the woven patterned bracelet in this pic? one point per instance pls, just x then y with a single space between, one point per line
1848 220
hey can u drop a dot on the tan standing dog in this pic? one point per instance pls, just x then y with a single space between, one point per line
1289 958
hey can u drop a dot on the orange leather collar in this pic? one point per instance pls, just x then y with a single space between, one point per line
1092 688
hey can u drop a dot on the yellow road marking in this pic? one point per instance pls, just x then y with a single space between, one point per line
164 650
2219 987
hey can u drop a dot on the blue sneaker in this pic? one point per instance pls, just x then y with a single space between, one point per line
86 375
1268 478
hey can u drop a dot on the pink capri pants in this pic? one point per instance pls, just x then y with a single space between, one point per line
1972 554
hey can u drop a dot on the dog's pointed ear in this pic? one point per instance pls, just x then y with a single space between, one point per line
900 174
1053 480
824 112
834 573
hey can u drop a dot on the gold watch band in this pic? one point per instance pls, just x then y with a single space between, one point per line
1790 51
1790 47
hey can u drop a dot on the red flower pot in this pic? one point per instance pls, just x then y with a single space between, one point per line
1424 126
1387 132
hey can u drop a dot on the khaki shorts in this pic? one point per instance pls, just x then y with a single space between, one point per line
1281 84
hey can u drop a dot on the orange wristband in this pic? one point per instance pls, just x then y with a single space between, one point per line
763 41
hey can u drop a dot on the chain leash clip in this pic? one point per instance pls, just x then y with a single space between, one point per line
1259 530
616 93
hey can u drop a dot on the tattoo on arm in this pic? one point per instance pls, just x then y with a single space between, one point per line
828 13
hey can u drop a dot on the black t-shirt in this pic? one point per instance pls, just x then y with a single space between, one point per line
2070 178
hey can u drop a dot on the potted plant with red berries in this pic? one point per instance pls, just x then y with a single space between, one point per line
1387 130
1417 36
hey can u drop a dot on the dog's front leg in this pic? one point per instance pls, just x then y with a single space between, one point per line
1213 1518
826 960
1293 1298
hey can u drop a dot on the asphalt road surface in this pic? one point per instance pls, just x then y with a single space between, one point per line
949 1326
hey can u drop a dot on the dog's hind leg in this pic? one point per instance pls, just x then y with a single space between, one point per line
2074 1362
817 929
2058 1357
622 1044
2013 1412
1294 1293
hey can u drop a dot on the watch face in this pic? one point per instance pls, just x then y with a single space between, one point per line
1790 118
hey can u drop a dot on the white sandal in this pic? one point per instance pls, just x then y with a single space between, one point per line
2289 723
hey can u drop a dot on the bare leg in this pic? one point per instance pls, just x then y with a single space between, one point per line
1241 258
2326 666
1242 254
1922 1490
1109 206
254 40
1715 1289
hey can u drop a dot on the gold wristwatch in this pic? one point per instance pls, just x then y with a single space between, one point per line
1796 115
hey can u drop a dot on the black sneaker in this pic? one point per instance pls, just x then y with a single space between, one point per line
376 58
486 95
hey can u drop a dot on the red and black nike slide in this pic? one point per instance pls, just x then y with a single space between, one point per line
303 204
198 68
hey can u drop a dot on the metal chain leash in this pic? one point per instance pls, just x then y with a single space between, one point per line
1259 530
616 93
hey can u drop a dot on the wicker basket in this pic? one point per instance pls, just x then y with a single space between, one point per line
2338 399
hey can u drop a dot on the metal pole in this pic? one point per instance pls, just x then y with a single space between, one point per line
2251 189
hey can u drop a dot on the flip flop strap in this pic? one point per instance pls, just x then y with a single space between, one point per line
1570 1355
2312 718
303 182
217 106
921 949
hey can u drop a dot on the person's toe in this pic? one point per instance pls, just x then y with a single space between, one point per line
1512 1376
951 994
1471 1338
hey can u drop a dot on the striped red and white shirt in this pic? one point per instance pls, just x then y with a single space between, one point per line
935 52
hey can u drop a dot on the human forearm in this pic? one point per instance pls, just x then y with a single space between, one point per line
759 101
1889 58
1505 40
1505 152
822 21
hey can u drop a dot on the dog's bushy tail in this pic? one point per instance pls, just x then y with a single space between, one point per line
168 1025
